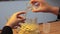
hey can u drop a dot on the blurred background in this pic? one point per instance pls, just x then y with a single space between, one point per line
8 7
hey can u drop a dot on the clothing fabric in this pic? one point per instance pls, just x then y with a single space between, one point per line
7 30
59 14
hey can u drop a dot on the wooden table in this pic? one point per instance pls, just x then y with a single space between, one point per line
0 31
54 28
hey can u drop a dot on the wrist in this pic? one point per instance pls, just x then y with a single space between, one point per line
9 25
54 10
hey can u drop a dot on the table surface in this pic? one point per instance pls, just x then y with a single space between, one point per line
54 28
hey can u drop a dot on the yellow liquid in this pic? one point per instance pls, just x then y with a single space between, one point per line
28 28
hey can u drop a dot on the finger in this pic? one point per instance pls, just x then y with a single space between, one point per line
21 12
15 27
21 21
19 25
20 17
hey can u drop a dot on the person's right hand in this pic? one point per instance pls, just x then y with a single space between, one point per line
42 6
15 19
39 6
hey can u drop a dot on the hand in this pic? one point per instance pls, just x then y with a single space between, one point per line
42 6
39 6
15 19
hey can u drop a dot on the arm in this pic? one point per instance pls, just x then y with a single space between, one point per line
13 22
43 6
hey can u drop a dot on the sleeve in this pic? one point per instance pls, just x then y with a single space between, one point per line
7 30
59 14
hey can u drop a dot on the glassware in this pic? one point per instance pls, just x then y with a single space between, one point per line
30 26
46 27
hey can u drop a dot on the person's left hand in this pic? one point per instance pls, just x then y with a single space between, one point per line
15 19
